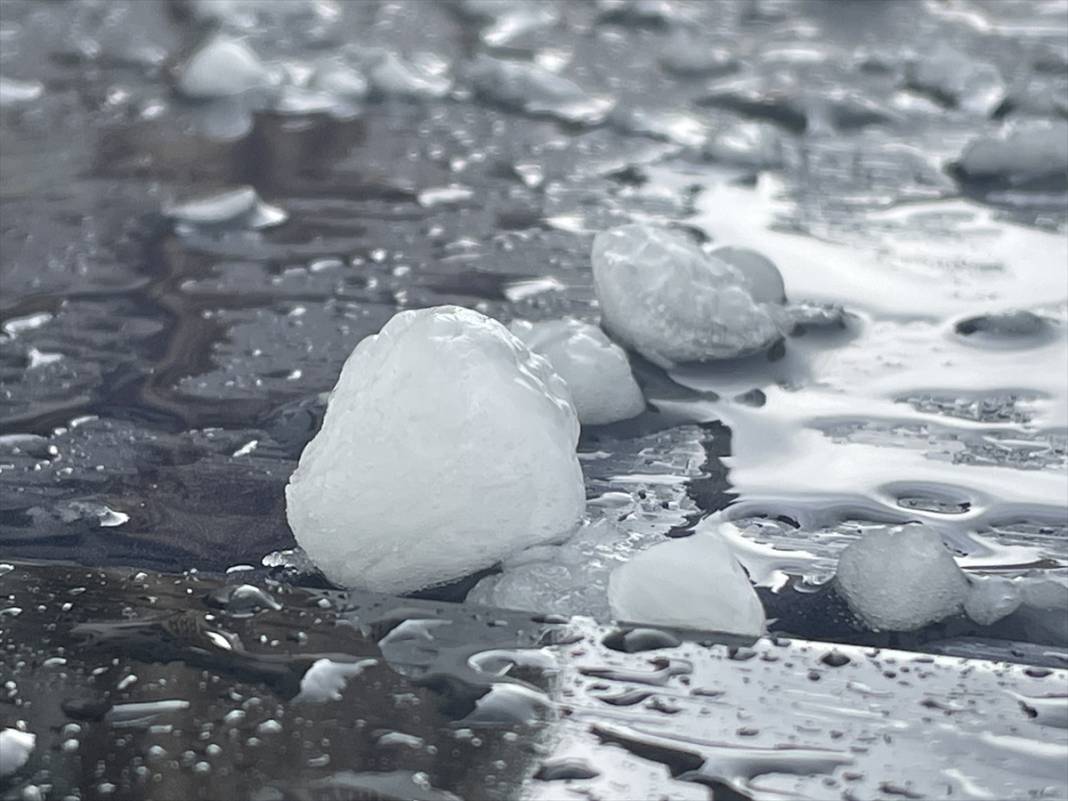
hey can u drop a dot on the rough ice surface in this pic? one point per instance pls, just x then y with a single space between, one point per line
990 599
672 302
222 67
446 446
596 370
1024 153
535 90
15 748
240 207
693 583
901 578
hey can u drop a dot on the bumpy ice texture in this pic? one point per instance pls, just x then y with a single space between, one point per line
596 370
446 445
672 302
901 579
693 583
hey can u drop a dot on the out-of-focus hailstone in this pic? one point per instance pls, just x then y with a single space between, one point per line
1028 152
14 92
901 578
222 67
693 583
392 76
446 446
240 207
339 79
15 748
957 80
672 302
747 144
765 280
535 90
596 370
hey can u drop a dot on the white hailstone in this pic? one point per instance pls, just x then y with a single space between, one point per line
901 578
596 370
222 67
672 302
446 446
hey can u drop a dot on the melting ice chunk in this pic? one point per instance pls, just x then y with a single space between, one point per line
672 302
901 578
1022 154
446 445
222 67
693 583
596 370
535 90
239 207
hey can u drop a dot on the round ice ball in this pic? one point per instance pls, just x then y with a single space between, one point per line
596 369
901 578
670 301
446 445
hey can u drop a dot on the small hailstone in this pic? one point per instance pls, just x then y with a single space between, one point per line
392 76
222 67
672 302
765 280
535 90
901 578
446 446
990 599
241 207
747 144
596 370
694 582
14 92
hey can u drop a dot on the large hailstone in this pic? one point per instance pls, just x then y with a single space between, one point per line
672 302
596 370
446 446
692 583
901 579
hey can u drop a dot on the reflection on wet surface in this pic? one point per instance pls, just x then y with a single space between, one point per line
181 279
